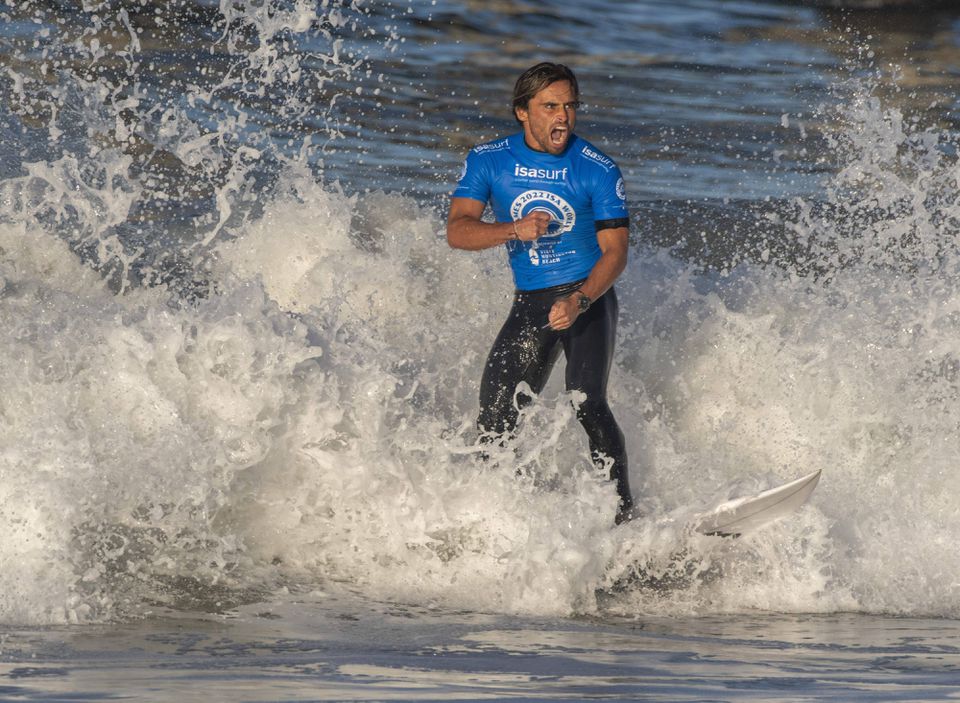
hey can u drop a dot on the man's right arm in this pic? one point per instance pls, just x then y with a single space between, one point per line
465 230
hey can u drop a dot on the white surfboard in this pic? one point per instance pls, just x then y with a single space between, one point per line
731 518
735 517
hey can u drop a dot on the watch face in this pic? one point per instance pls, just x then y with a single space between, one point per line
583 302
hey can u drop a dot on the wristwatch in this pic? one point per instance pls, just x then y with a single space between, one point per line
583 300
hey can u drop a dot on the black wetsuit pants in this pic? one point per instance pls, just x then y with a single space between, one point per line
525 351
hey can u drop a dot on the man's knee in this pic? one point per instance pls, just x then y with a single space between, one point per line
500 407
594 411
601 426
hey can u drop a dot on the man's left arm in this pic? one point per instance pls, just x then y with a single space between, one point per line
614 245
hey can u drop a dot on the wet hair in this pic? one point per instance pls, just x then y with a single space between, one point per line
538 77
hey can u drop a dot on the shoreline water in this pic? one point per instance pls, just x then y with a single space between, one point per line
336 648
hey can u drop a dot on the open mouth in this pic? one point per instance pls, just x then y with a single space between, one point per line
558 135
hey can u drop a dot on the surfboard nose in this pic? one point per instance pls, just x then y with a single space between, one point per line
734 517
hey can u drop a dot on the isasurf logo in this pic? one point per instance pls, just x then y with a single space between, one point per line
599 158
563 217
544 174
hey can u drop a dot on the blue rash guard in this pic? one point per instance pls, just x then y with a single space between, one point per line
582 189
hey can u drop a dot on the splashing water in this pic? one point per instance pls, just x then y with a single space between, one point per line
224 376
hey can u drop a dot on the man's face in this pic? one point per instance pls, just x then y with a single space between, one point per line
550 117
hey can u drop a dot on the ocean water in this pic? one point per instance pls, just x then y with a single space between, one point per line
240 364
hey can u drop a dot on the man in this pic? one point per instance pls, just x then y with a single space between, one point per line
560 209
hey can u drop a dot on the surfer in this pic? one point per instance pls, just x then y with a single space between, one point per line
560 210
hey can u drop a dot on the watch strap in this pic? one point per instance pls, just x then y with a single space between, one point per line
583 300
